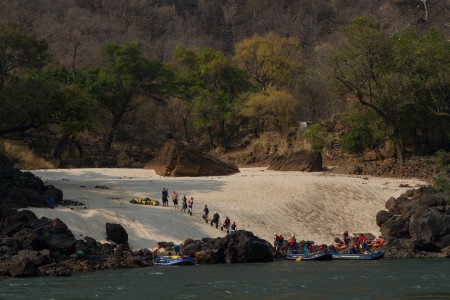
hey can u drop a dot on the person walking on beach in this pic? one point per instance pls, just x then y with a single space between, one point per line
175 199
183 203
165 197
190 204
205 213
215 219
226 224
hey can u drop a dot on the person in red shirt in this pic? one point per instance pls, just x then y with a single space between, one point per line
361 239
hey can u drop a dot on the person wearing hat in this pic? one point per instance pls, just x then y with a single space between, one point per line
215 219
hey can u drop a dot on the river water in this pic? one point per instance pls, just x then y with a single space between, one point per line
385 279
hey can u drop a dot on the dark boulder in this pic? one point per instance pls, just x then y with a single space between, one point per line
116 233
416 225
399 206
304 161
23 189
19 266
241 247
431 225
190 247
177 160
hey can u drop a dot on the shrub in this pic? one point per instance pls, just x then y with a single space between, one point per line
315 135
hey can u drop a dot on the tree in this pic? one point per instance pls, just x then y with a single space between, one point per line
363 133
19 52
122 83
211 89
29 97
392 74
270 60
269 110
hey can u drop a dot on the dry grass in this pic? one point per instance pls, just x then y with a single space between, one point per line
22 157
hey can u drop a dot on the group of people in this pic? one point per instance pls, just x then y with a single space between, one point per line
216 219
185 203
359 246
188 204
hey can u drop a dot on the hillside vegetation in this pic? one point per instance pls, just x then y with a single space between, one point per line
105 83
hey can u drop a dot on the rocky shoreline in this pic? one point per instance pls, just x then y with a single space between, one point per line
415 225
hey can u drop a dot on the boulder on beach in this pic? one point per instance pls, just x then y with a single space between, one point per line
303 161
178 160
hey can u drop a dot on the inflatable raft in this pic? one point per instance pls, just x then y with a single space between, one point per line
295 255
358 256
184 260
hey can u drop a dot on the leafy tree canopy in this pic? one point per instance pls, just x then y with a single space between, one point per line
270 60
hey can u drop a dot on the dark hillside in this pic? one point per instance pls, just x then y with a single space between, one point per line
76 28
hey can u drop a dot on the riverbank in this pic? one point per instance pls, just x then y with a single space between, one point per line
315 206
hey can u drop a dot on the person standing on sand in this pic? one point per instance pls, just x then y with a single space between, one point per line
165 197
205 213
190 204
226 224
215 219
183 203
175 199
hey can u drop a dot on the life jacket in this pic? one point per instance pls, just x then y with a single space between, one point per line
292 241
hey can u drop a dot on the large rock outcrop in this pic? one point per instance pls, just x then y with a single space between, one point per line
416 224
42 247
303 161
241 247
177 160
23 189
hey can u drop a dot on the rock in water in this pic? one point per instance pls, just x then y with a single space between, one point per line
178 160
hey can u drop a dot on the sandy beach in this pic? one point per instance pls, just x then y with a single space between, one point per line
314 206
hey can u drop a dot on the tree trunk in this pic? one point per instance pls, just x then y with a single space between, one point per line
60 146
398 147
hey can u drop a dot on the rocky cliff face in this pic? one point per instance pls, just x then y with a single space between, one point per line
178 160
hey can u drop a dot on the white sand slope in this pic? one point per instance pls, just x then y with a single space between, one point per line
315 206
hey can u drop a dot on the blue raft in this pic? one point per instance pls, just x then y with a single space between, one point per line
295 255
358 256
184 260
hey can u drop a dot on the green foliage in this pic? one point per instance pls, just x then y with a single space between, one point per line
364 133
19 52
400 77
124 81
211 88
442 183
442 161
316 136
